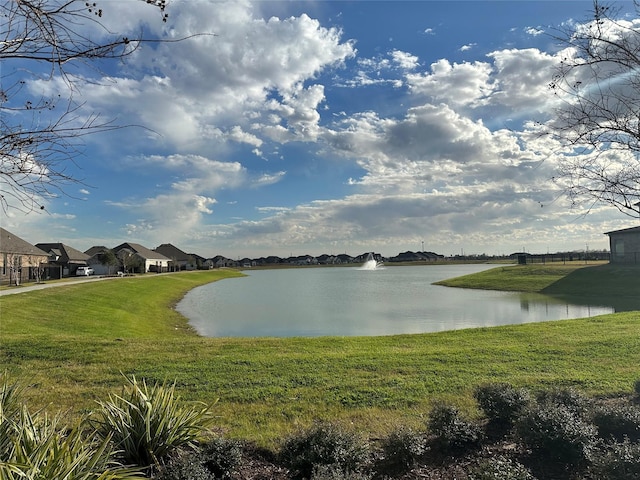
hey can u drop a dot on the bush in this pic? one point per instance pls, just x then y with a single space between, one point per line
325 444
402 448
221 456
620 461
557 433
572 399
500 468
184 467
149 423
452 433
618 422
501 403
333 472
636 387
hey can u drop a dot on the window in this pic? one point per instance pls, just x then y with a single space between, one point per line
619 248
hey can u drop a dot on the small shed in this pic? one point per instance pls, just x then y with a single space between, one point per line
625 246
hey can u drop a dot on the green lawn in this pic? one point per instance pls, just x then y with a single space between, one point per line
71 344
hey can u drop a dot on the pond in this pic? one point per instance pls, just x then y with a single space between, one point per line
345 301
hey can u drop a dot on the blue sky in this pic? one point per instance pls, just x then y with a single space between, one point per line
325 127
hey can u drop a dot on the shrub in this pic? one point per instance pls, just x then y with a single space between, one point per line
618 422
148 423
636 387
572 399
620 461
452 433
184 467
221 456
557 433
402 448
500 468
502 403
322 445
333 472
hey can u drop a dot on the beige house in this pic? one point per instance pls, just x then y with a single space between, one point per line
19 260
625 245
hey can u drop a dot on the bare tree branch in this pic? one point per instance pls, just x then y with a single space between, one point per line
598 82
40 136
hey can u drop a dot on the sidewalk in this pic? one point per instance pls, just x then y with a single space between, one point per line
42 286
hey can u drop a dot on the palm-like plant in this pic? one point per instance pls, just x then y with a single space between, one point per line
37 447
146 423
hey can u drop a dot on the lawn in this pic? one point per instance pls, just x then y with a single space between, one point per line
71 345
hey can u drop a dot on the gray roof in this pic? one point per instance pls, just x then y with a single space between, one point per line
141 251
10 243
172 252
66 253
625 230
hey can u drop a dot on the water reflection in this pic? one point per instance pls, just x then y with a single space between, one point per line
350 302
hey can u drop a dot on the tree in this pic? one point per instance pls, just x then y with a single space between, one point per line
108 258
41 135
598 84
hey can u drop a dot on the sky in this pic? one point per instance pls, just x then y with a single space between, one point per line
311 127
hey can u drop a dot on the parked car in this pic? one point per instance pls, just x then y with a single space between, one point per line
84 271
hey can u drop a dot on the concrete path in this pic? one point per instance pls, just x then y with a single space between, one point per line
42 286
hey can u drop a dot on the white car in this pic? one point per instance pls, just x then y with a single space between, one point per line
84 271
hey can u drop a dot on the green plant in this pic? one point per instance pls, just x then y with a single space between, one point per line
183 466
221 456
334 472
324 444
576 402
453 434
148 423
620 461
501 402
636 387
500 468
618 421
36 446
402 448
44 448
557 433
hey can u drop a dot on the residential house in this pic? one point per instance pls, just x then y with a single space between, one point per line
63 259
135 257
20 261
625 245
97 259
178 260
219 262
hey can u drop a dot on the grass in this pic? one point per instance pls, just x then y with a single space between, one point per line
72 345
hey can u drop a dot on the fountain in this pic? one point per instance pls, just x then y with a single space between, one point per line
371 263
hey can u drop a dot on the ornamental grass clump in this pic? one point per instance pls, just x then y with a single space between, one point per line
36 446
147 423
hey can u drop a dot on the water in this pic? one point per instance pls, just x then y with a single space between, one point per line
346 301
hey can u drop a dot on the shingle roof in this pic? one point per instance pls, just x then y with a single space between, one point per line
173 252
10 243
67 253
143 252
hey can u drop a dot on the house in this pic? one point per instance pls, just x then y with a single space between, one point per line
220 262
178 260
625 245
63 258
20 261
135 257
102 259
